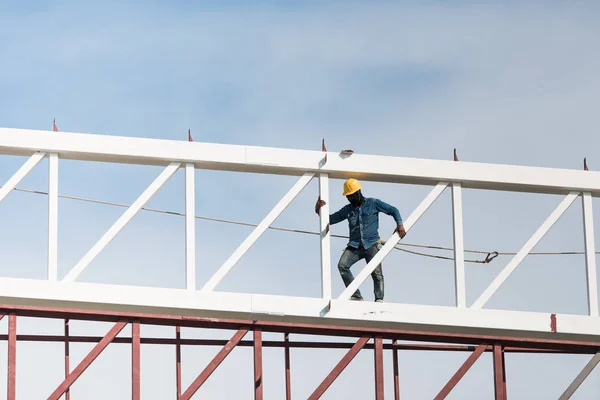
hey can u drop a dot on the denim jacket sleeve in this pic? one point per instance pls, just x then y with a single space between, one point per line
339 216
389 210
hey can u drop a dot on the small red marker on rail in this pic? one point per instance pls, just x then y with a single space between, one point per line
585 167
324 149
190 139
54 127
455 155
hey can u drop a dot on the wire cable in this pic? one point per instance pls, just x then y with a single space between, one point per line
490 255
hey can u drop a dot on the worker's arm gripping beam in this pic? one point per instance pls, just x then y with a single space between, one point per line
258 231
410 221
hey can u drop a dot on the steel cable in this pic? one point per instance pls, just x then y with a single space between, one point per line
490 255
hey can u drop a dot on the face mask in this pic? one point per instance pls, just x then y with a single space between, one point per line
356 199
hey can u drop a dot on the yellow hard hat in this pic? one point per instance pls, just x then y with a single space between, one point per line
351 186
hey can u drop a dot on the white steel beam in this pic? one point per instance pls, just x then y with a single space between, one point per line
459 247
190 227
585 372
590 254
257 232
529 245
145 151
389 245
302 310
20 174
53 217
114 230
325 238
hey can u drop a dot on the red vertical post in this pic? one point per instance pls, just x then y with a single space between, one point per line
178 360
135 361
288 375
67 355
499 373
378 368
258 370
396 377
12 357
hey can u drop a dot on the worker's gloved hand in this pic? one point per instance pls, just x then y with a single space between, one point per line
320 203
401 231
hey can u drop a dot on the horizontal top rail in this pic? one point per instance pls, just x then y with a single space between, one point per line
130 150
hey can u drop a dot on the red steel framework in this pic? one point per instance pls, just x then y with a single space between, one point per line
476 344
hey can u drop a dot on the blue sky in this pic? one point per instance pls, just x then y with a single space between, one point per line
503 82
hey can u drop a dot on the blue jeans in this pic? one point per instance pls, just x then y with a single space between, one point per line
349 257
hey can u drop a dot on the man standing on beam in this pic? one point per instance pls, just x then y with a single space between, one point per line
363 222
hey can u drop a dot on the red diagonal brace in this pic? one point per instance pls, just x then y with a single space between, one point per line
85 363
337 370
212 366
461 372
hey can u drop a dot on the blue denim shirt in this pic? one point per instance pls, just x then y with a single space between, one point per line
363 221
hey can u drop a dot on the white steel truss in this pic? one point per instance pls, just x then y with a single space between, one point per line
190 227
258 231
122 221
459 246
20 174
306 165
529 245
590 254
53 217
325 238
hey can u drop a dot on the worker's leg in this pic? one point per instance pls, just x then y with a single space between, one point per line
377 274
349 257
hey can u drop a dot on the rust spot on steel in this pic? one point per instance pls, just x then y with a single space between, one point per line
553 322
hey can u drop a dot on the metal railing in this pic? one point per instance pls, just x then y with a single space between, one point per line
190 156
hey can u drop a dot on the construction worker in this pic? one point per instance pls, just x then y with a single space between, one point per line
363 222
